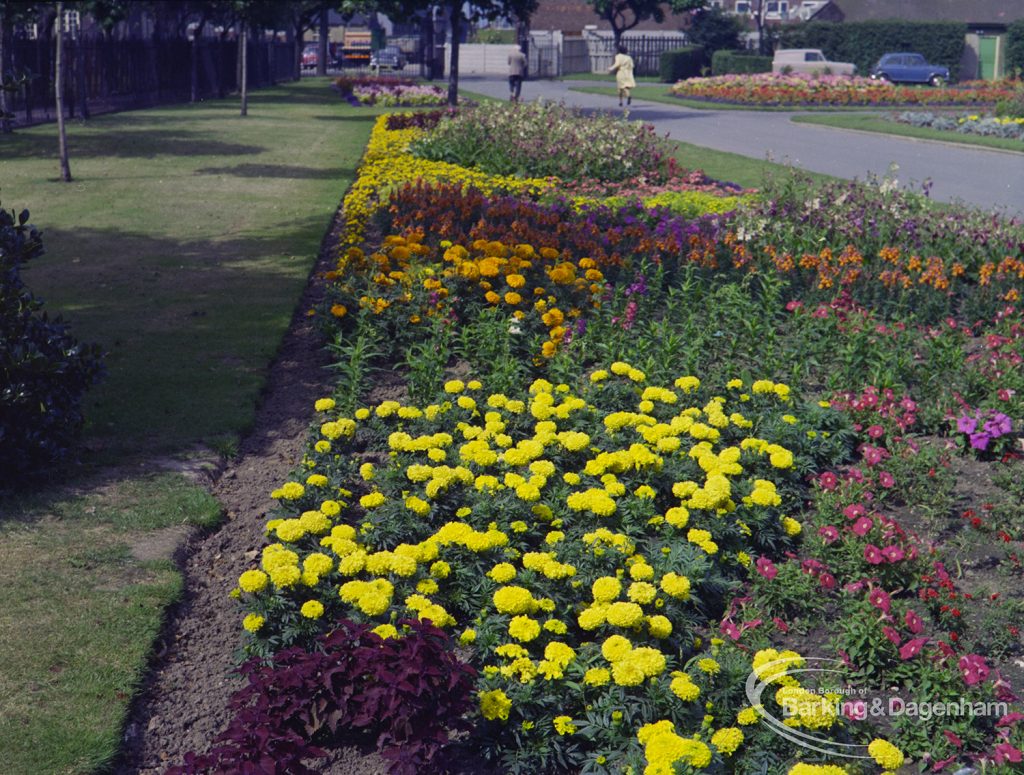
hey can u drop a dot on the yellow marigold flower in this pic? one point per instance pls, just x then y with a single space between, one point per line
253 622
885 754
324 404
385 631
747 716
597 676
598 376
615 648
684 688
563 725
523 628
593 617
495 705
659 627
373 500
625 672
512 298
624 614
339 310
253 581
366 471
322 446
316 480
606 589
817 769
727 740
440 569
641 592
791 527
556 626
514 600
675 585
641 571
709 666
468 636
312 609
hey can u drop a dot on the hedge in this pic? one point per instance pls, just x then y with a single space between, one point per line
1015 48
681 63
733 62
863 43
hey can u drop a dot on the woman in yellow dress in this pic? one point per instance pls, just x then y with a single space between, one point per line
623 69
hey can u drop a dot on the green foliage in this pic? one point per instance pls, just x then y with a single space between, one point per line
681 63
726 62
44 371
863 43
714 29
1015 47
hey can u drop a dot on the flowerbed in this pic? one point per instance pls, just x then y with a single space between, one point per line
389 91
800 89
637 567
971 124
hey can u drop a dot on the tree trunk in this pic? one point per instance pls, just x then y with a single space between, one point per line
299 29
243 41
194 63
322 47
58 66
5 121
453 66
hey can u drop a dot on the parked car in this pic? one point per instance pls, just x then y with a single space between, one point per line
905 67
808 60
310 56
388 58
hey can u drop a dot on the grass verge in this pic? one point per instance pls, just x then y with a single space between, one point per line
182 247
735 168
887 126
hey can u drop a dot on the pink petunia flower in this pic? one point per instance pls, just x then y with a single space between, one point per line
766 568
912 648
828 480
876 431
829 534
1005 752
973 669
863 526
893 553
873 555
855 510
892 635
886 480
913 622
880 599
827 580
1010 719
953 738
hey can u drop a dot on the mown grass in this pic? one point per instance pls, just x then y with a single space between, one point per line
182 247
881 124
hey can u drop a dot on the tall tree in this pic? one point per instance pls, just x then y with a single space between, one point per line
624 15
58 67
458 20
12 13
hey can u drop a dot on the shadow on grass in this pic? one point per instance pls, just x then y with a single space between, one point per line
279 171
189 328
129 144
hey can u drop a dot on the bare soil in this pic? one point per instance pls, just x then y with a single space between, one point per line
184 702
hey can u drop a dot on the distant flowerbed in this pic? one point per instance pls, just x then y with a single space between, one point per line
973 124
799 89
390 92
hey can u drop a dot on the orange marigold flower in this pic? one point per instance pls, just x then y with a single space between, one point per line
339 310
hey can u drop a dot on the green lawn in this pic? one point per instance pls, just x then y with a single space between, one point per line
182 247
874 123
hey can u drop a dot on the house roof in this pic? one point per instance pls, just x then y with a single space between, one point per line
571 18
974 12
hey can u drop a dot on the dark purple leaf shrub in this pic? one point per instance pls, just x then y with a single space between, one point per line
402 695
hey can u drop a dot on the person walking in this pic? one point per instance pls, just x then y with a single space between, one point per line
622 67
516 71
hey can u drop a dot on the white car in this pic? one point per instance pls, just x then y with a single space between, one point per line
809 60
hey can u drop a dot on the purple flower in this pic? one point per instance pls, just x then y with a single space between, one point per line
966 424
980 441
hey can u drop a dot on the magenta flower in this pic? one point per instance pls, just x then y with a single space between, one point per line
893 553
912 648
863 526
783 627
892 635
1010 719
766 568
1005 752
973 669
873 555
979 441
855 710
953 738
855 510
829 534
730 629
827 580
876 431
913 622
828 480
874 455
880 599
966 424
886 480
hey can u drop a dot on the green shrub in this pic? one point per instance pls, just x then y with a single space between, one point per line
713 29
863 43
682 63
44 371
735 62
1015 48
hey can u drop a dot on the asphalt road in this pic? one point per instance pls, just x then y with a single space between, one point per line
988 179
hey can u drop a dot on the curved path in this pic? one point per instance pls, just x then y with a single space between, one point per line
989 179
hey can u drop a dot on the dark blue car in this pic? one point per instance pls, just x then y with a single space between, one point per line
909 68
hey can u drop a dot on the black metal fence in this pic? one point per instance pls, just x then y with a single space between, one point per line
646 51
105 75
